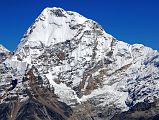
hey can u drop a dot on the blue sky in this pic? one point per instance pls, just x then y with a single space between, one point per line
132 21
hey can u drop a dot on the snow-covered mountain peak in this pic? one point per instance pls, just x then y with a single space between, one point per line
52 24
56 25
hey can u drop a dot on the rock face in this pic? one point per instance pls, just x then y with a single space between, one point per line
30 98
68 67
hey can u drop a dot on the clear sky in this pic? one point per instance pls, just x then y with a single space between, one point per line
132 21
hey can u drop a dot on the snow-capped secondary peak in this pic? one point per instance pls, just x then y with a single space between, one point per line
4 53
3 49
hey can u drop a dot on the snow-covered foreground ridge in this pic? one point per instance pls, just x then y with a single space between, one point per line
84 63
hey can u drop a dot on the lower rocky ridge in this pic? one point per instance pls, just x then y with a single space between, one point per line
33 109
40 103
35 101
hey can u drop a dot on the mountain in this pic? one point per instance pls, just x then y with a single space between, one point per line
67 67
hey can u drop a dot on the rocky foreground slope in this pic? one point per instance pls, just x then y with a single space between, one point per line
67 67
